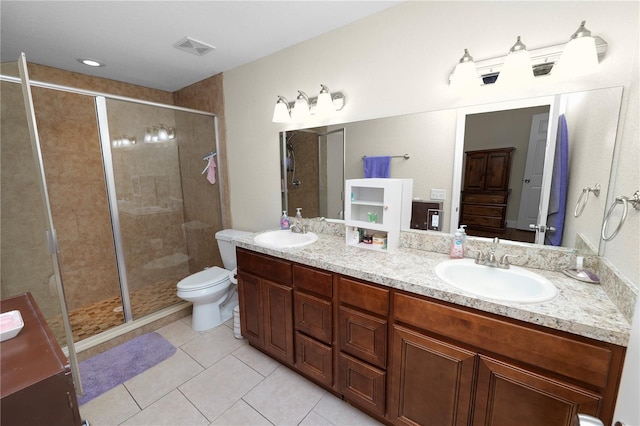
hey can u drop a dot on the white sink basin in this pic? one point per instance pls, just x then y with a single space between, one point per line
284 238
508 285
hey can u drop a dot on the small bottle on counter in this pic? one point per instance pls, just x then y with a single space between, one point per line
457 246
284 220
299 214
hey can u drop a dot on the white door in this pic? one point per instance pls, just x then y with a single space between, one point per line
532 180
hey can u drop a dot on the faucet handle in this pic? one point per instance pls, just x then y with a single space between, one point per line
504 263
479 256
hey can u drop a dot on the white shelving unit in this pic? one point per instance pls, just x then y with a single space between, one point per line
389 200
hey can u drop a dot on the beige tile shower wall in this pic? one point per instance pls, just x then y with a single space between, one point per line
26 262
75 179
305 195
204 214
75 176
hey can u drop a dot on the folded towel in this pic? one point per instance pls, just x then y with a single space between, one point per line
377 167
559 183
211 172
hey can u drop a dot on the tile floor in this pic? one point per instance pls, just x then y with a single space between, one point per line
216 379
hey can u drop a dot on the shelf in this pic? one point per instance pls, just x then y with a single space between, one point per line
367 203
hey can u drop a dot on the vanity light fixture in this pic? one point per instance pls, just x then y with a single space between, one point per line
517 66
465 75
305 107
301 110
550 60
159 133
282 112
580 56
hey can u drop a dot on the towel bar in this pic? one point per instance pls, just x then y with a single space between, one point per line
584 198
635 202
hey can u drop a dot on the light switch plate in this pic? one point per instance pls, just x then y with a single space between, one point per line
438 194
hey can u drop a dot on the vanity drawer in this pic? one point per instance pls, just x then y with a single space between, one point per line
313 316
364 296
313 281
561 353
364 336
264 266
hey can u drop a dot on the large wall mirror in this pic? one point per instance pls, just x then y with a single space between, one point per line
430 148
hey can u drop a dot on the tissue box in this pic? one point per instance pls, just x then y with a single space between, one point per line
10 325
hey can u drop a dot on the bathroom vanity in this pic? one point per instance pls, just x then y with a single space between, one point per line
383 332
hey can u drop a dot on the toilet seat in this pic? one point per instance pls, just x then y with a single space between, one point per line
210 277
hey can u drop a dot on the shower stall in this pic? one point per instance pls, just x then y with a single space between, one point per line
116 194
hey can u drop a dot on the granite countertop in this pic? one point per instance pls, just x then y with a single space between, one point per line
580 308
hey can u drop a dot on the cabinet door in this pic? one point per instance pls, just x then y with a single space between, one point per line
474 170
250 301
431 381
278 320
314 359
508 395
498 169
363 384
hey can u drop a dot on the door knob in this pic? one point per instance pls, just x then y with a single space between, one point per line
527 180
542 228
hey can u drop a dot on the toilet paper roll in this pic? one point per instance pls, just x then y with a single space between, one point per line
232 276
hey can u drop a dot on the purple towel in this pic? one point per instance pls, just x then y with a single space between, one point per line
559 183
377 167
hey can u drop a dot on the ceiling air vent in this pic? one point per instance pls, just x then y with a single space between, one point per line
193 46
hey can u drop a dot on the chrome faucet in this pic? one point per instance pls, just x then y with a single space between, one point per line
298 228
489 258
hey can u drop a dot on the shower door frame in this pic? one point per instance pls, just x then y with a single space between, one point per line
130 323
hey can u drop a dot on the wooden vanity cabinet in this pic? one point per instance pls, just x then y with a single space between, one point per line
362 329
524 374
313 323
412 360
266 303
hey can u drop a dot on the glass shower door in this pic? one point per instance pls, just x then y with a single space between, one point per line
153 163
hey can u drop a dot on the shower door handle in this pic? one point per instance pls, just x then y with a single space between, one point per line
52 241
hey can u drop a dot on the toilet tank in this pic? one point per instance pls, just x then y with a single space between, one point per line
227 248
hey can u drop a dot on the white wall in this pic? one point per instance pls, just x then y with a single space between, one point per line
398 62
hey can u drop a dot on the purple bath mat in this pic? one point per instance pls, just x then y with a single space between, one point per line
107 370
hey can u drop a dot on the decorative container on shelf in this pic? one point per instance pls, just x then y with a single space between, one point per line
376 210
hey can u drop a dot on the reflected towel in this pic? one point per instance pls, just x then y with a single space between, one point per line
211 172
559 183
377 167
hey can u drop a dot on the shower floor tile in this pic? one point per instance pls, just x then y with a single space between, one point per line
93 319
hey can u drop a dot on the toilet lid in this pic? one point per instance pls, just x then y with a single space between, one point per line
206 278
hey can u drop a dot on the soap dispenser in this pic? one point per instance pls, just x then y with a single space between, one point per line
457 245
284 220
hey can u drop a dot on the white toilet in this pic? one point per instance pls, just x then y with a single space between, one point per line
213 290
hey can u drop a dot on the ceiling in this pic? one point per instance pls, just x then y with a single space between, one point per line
135 39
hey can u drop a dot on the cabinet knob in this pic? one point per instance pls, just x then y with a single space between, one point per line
386 207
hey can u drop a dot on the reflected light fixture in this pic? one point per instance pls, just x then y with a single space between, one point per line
517 66
282 112
465 75
305 107
580 56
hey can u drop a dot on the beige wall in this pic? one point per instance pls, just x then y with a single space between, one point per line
398 62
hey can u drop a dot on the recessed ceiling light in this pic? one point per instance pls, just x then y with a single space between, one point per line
90 62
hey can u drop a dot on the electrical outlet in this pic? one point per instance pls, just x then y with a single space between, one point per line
438 194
